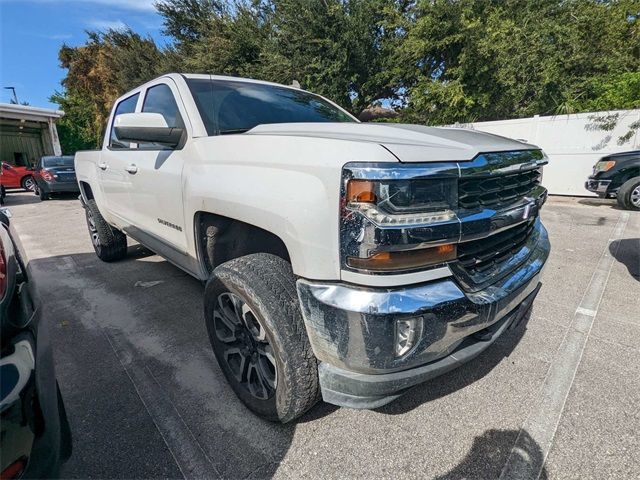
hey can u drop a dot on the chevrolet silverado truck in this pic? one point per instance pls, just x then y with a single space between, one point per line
342 260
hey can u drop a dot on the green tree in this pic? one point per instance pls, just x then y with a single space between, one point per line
469 60
337 48
75 129
436 61
98 72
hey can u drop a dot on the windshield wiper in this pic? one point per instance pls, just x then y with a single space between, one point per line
234 130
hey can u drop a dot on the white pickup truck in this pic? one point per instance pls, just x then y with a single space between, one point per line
342 260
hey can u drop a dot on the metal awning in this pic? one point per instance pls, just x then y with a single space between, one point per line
28 113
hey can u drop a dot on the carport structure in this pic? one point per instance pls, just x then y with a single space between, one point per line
27 133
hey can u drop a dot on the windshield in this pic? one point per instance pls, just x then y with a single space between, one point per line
49 162
234 107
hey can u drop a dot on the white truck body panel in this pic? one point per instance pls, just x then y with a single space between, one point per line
283 178
409 143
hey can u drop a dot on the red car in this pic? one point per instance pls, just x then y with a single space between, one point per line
17 177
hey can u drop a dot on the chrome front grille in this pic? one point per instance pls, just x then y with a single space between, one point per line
496 191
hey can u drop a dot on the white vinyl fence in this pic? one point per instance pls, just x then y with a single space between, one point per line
571 142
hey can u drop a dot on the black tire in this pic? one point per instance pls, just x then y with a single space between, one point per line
267 286
42 194
28 183
109 243
629 194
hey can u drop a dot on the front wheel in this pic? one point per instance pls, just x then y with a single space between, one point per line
629 194
28 183
258 336
108 242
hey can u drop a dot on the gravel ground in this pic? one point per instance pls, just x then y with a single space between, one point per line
557 398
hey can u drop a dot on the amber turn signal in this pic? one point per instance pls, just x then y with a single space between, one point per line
410 259
360 191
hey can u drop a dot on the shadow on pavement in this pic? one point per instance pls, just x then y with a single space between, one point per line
627 252
15 198
20 197
490 451
600 202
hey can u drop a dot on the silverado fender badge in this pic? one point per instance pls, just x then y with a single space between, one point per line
170 225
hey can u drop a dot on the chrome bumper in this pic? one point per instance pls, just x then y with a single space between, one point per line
352 329
597 186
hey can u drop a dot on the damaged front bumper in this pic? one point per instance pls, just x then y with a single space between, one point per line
353 329
600 187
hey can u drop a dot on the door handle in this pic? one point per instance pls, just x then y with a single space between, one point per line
102 166
131 168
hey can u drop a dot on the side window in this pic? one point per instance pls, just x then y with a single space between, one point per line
160 100
128 105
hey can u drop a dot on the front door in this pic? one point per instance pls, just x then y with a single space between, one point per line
155 175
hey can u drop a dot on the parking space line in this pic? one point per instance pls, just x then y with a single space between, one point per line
542 423
185 449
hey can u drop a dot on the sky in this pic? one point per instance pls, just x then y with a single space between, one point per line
32 32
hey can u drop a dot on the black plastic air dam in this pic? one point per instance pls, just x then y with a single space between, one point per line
368 391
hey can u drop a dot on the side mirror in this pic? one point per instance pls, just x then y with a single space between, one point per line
146 128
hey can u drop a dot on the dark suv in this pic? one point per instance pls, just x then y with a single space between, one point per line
618 176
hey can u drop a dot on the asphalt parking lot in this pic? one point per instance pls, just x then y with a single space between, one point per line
556 398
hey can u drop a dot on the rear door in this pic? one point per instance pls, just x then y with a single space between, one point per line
155 172
115 181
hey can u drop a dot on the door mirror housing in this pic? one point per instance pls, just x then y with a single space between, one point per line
146 128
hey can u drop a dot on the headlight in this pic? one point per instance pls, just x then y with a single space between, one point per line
603 166
377 209
403 203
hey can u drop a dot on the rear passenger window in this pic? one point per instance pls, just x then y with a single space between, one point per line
127 105
160 100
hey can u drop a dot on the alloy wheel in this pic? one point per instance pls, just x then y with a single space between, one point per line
246 348
635 197
29 184
93 231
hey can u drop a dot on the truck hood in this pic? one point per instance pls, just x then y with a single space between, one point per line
409 143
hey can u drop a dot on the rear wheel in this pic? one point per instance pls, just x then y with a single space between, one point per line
258 336
108 242
28 183
629 194
42 194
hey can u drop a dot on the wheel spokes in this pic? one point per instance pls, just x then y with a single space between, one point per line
256 329
267 364
256 382
237 362
93 231
224 328
245 346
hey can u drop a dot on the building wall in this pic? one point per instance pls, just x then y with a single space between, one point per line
571 142
29 143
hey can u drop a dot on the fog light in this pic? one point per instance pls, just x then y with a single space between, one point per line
408 332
